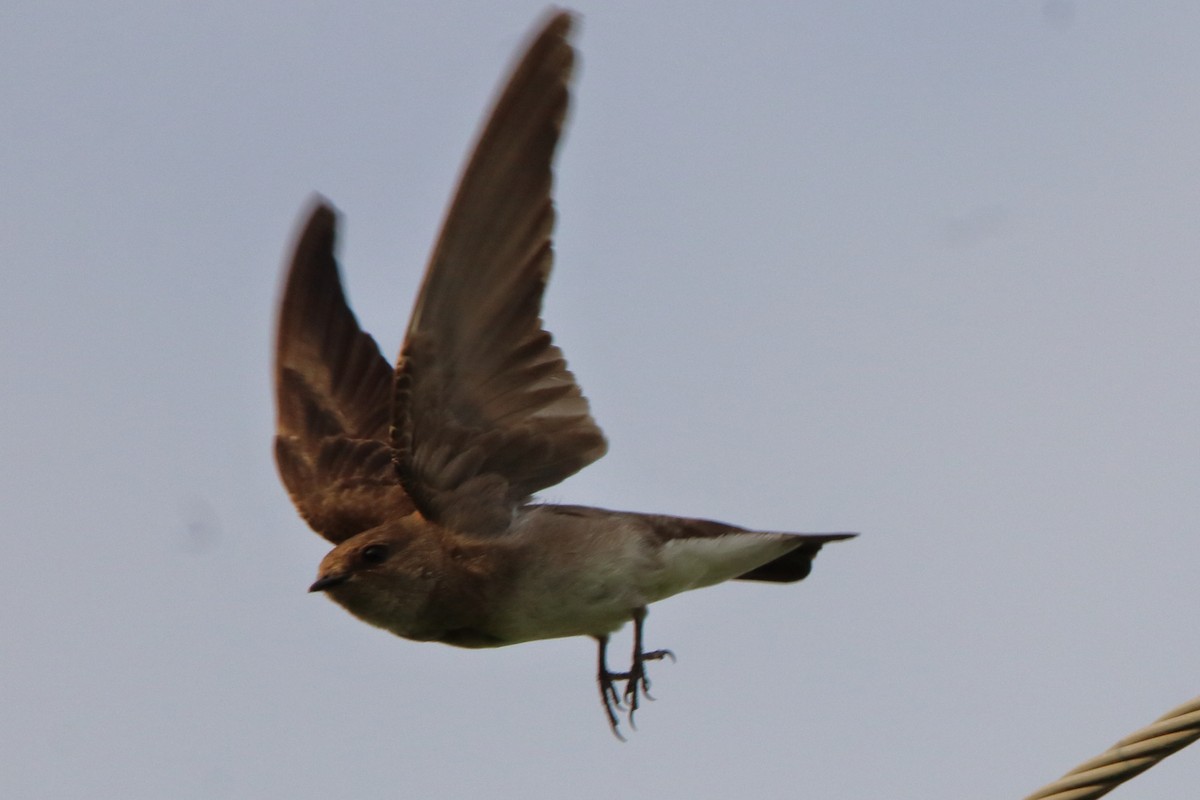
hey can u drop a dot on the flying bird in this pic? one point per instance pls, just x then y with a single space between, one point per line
423 476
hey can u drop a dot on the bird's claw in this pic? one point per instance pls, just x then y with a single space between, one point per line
637 683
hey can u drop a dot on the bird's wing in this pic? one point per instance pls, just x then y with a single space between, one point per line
485 411
333 398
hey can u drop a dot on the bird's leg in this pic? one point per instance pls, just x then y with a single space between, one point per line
636 681
609 695
637 685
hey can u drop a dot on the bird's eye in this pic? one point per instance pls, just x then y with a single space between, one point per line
374 554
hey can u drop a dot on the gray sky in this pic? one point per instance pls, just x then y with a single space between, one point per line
923 270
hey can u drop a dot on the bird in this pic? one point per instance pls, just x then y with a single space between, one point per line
424 476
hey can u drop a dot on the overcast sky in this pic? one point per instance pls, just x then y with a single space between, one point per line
924 270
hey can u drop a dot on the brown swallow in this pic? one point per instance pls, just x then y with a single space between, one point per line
423 476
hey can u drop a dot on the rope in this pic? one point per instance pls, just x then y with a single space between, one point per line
1133 755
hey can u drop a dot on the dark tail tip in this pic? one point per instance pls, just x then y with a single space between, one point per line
795 565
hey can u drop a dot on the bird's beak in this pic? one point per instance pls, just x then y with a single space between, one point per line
329 581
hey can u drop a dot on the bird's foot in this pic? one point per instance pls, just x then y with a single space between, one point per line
610 697
637 683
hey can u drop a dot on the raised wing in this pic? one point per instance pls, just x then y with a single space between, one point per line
333 398
486 412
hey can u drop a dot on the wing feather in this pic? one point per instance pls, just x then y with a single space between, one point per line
333 397
485 411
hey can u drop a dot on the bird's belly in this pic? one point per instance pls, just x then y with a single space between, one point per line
591 597
582 609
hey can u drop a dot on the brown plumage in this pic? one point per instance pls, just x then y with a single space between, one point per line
422 476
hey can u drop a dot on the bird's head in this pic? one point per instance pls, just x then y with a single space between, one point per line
385 575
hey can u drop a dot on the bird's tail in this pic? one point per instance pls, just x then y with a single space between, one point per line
795 564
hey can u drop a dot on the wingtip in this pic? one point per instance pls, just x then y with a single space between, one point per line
315 239
554 32
320 210
316 233
559 21
312 257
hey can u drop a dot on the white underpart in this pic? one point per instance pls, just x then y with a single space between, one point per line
586 574
693 563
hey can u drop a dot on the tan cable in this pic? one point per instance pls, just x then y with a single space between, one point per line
1133 755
